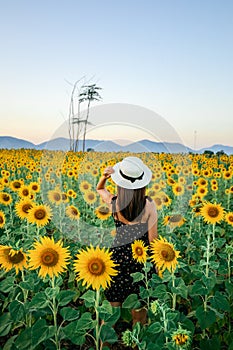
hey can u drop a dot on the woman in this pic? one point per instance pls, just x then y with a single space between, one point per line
135 218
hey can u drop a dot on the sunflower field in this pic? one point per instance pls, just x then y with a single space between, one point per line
55 261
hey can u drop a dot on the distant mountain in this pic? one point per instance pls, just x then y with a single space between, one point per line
8 142
217 148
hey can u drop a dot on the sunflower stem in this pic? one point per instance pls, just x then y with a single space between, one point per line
173 294
54 311
165 323
229 267
97 327
38 232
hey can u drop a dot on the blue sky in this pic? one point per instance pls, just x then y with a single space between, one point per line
174 57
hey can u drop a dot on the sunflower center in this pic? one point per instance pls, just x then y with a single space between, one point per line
14 259
168 253
74 211
40 214
1 220
6 197
91 196
178 189
104 210
96 267
35 187
56 197
49 257
25 192
175 218
213 212
17 184
64 196
230 218
158 201
26 207
139 251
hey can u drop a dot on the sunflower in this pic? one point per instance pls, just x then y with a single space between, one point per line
12 259
22 207
212 213
2 219
95 267
175 220
158 201
103 212
51 257
39 214
202 191
139 251
181 338
202 182
178 189
72 212
164 254
5 198
84 186
55 197
24 191
227 175
34 186
229 218
15 185
90 197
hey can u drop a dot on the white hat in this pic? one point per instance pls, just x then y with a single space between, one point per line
131 173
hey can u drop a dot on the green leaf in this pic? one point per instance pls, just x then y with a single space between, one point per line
109 314
132 302
89 298
31 337
9 345
198 289
205 318
108 334
180 288
26 285
209 282
5 324
39 301
75 335
219 301
171 316
65 296
7 284
155 328
52 292
86 322
69 314
17 310
137 276
210 344
160 292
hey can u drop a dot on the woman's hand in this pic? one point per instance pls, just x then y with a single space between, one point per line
108 171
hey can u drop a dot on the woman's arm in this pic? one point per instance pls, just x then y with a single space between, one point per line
152 222
100 188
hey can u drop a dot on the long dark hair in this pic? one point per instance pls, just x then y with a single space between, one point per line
131 203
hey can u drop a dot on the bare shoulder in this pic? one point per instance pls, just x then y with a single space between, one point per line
150 205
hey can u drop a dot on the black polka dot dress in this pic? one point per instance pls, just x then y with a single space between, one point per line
122 285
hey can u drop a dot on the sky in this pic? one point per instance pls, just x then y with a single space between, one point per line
172 57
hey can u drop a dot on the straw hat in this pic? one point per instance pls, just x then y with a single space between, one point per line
131 173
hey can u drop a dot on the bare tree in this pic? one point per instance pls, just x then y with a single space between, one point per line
85 93
89 93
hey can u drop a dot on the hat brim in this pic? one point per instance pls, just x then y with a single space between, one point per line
120 181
